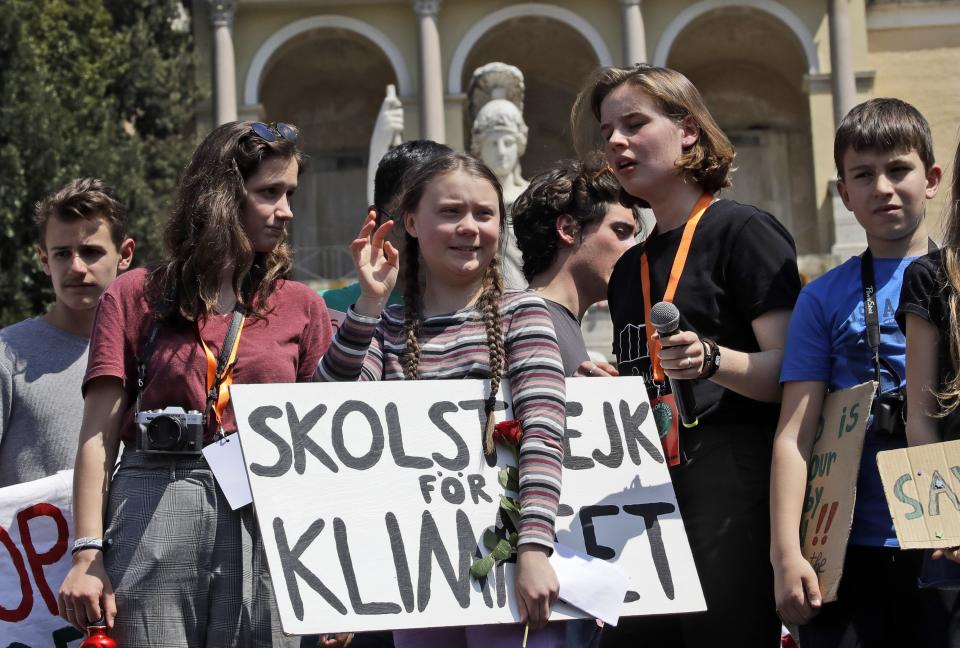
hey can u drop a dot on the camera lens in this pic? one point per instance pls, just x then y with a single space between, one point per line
165 433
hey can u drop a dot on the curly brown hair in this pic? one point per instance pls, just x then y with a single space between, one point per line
205 231
583 191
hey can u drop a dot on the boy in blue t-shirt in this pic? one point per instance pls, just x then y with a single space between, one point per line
884 157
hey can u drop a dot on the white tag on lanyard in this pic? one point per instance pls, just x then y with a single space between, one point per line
226 461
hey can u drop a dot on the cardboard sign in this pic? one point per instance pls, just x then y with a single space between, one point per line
373 498
832 483
36 525
922 485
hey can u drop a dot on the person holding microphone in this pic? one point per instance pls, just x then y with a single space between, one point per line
730 270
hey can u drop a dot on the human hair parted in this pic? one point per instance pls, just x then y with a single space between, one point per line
82 199
708 162
949 395
583 191
205 232
488 301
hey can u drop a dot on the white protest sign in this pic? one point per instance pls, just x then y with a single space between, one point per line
372 499
36 524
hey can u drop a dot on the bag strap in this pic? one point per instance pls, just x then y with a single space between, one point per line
227 353
222 359
870 312
142 363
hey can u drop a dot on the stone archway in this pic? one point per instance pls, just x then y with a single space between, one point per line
750 67
555 60
330 82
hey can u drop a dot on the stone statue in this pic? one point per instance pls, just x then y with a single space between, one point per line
387 133
499 138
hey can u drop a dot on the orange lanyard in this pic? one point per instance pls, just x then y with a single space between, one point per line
222 382
679 261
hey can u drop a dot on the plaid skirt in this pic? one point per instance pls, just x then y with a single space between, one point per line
186 569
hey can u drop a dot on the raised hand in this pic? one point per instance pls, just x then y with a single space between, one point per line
377 262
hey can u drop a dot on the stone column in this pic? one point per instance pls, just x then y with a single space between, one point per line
429 69
843 81
634 38
848 235
224 67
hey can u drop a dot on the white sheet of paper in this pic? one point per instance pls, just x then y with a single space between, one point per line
591 584
226 461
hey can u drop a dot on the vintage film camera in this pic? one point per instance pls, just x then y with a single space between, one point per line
170 431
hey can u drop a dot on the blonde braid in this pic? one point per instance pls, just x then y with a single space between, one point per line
413 307
489 306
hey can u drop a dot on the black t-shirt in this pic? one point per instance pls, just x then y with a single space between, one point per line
925 293
742 263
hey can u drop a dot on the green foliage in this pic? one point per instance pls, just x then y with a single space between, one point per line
509 478
99 88
500 549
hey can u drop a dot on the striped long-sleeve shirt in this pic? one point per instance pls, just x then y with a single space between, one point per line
455 346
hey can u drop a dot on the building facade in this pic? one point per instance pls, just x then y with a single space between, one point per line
775 73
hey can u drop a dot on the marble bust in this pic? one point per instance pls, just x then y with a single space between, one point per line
499 138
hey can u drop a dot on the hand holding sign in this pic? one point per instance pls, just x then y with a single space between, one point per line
797 590
952 553
377 262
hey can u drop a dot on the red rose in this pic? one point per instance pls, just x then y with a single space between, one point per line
507 432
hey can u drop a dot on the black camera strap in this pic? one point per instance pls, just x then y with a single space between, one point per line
142 363
222 359
870 312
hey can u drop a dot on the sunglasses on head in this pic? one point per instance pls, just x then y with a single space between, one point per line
270 132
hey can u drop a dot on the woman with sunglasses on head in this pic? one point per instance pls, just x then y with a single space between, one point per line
731 271
160 555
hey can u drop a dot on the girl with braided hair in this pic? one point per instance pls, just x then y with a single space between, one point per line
458 322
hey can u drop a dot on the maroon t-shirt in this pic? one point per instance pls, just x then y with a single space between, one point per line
285 347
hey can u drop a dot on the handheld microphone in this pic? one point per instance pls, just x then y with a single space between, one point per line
666 319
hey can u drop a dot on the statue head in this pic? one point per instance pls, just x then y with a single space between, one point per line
499 137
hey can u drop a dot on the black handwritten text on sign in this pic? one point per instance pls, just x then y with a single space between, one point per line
372 498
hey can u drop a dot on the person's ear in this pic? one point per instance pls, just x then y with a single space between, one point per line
689 132
566 229
44 260
934 174
844 194
410 224
126 254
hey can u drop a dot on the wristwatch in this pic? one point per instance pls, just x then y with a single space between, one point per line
711 358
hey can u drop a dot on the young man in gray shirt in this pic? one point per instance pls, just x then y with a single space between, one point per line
82 245
571 229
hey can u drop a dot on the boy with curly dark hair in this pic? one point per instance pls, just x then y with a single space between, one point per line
572 228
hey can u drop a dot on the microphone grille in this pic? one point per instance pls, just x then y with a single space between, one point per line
664 316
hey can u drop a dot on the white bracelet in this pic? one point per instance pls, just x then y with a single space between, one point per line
88 542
